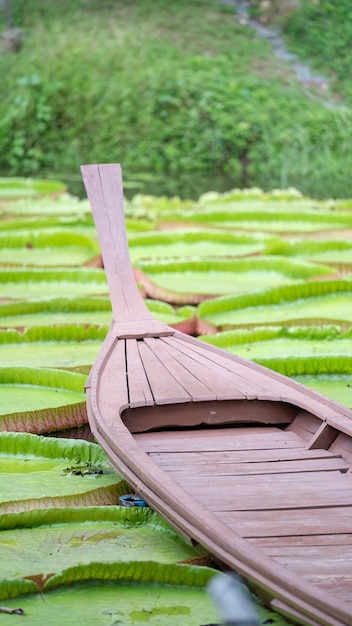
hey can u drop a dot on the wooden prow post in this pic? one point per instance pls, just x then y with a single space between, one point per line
105 193
104 188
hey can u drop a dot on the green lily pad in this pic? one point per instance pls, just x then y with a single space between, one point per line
81 224
67 347
318 357
229 276
68 311
328 374
192 243
334 251
125 593
337 387
272 342
43 472
63 204
29 187
254 216
72 536
45 248
41 400
34 283
321 300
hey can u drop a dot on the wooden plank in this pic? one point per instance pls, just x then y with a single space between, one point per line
342 423
221 383
289 522
105 192
112 391
315 539
298 616
325 560
138 329
180 458
277 385
222 493
213 413
237 469
164 387
138 385
242 382
190 380
305 425
323 437
241 438
338 586
343 445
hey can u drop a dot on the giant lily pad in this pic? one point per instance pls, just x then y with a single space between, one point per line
192 244
63 204
271 342
32 283
66 537
90 311
334 251
45 248
125 593
264 218
318 357
321 300
41 400
328 374
44 472
11 188
67 346
229 276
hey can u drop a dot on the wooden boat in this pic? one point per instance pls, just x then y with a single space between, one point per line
242 460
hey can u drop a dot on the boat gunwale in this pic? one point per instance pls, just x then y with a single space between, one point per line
132 320
149 481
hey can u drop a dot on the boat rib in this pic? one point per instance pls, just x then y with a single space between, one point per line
246 462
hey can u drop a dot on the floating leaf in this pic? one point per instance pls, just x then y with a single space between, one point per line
127 593
29 187
271 342
262 218
45 248
67 311
327 251
34 283
192 243
69 536
328 374
318 300
91 311
41 400
63 204
34 474
229 276
66 346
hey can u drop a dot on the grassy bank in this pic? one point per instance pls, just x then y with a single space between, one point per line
168 87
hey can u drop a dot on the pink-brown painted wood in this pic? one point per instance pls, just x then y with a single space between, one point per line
249 463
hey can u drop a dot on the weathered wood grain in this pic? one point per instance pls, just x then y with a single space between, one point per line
247 462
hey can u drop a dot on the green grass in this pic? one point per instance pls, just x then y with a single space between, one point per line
322 31
168 87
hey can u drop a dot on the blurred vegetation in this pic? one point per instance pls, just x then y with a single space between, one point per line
166 87
322 31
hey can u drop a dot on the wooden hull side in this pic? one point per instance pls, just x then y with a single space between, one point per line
247 462
185 502
284 590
